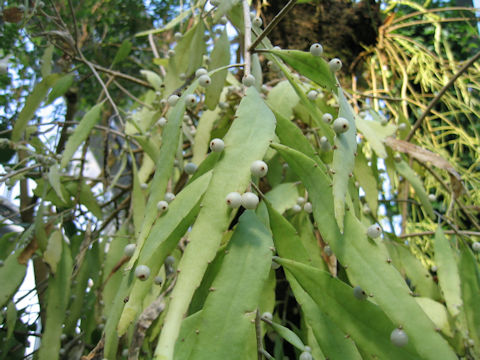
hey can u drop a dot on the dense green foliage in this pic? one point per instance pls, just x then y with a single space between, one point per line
152 227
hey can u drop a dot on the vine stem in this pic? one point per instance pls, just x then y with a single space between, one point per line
248 38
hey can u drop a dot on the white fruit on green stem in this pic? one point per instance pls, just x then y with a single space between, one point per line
359 293
190 168
307 349
177 36
374 231
308 207
259 168
296 208
233 200
129 250
249 200
173 99
162 205
335 64
171 53
324 144
143 186
300 200
257 21
142 272
476 246
248 80
432 197
267 316
305 356
316 49
327 118
190 100
162 122
223 20
399 338
158 280
204 80
200 72
340 125
217 145
312 95
402 126
170 260
169 197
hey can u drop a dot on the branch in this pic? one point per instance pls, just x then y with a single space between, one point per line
248 38
272 24
436 99
426 233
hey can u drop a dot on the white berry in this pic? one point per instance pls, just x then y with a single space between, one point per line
399 338
173 99
374 231
316 49
162 122
359 293
177 36
190 168
217 145
142 272
296 208
249 200
432 197
200 72
158 280
257 22
327 118
324 144
259 168
312 95
340 125
402 126
204 80
305 356
248 80
143 186
129 250
162 205
190 100
335 64
308 207
267 316
169 197
300 200
233 200
171 53
476 246
328 251
170 260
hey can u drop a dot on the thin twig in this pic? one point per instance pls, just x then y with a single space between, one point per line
272 24
426 233
133 97
436 99
118 74
258 333
248 37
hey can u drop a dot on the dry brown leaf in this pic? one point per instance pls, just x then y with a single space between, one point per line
12 14
427 157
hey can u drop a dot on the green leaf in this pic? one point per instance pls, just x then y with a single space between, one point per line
407 172
288 335
363 321
283 196
343 159
163 238
153 78
81 133
53 252
246 141
366 261
202 136
58 294
122 52
220 57
313 67
170 25
46 68
470 287
60 88
32 103
54 179
11 318
375 133
367 180
11 276
437 313
276 100
226 324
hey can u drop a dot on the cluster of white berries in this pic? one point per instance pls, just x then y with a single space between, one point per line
317 50
248 200
302 203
